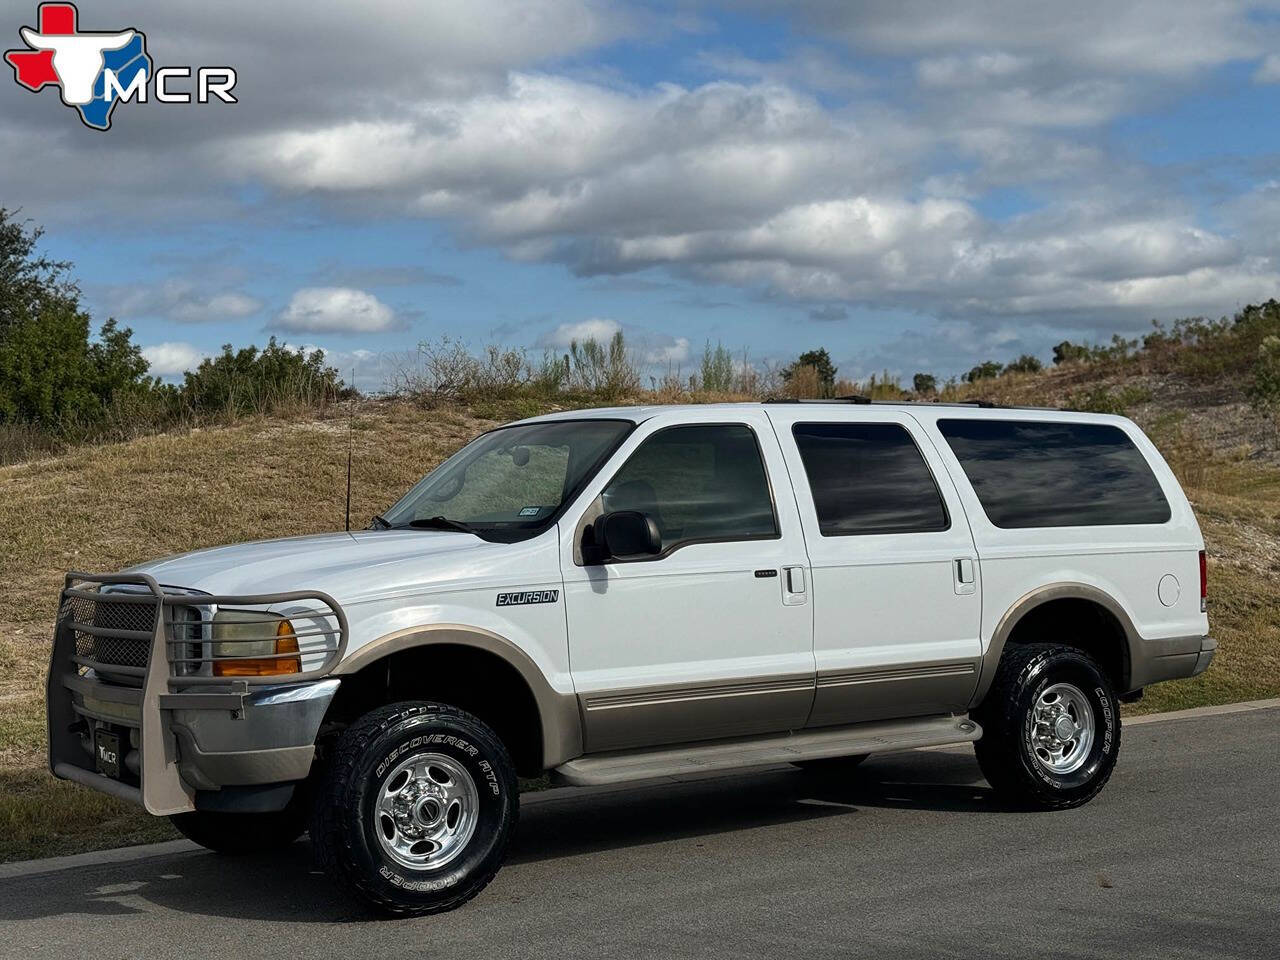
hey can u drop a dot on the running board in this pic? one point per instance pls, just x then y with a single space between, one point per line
878 737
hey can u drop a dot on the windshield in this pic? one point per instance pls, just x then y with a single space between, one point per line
512 482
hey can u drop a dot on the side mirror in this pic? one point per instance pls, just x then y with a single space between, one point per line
626 534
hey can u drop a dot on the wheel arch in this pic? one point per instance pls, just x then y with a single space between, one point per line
1115 649
559 726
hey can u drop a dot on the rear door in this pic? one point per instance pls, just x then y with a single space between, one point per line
896 583
713 637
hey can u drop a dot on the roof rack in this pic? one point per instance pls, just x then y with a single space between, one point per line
852 398
861 400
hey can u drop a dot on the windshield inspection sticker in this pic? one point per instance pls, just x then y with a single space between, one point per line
529 511
528 596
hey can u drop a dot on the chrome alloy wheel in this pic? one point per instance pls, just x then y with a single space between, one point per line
1062 728
427 811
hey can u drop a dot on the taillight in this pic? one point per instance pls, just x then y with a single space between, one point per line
1204 584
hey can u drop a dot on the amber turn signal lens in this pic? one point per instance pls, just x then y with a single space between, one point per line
286 642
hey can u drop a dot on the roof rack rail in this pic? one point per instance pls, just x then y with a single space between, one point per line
851 398
864 400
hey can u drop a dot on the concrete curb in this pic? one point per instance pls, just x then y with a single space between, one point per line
97 858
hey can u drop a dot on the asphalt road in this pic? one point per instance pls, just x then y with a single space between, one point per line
910 857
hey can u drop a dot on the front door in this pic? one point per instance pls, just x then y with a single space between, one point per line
712 637
896 583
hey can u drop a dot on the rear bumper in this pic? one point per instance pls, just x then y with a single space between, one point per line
1154 661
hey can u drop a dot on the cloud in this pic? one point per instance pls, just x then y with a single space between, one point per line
179 300
1269 70
871 162
829 313
384 276
600 329
171 359
807 67
664 351
1160 38
336 310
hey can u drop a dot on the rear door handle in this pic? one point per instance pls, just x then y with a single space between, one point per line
965 575
793 586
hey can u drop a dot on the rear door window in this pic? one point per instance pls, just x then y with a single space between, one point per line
868 478
1042 474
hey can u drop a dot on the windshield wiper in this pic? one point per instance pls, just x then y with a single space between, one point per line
379 522
440 523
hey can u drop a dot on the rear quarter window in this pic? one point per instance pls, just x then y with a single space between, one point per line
1044 474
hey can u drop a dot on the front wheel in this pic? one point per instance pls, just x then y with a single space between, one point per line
416 810
1051 727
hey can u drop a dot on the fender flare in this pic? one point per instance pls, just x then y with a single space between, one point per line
557 712
1041 595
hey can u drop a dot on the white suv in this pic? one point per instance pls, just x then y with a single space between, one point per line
615 595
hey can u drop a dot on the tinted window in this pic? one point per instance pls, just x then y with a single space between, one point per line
697 483
1033 474
868 478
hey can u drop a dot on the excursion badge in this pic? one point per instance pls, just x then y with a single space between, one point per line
528 596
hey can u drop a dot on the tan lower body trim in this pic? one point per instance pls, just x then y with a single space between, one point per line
648 716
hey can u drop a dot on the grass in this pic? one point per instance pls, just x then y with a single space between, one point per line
101 508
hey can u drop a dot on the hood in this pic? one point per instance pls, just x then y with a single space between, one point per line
340 564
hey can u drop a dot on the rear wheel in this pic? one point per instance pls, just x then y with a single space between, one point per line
1051 727
417 808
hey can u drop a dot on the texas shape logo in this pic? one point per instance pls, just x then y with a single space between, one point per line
92 68
95 70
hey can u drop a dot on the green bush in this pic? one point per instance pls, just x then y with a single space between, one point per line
1024 364
984 371
253 381
1265 389
717 368
924 383
1102 400
823 370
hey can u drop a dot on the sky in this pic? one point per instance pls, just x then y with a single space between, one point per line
915 186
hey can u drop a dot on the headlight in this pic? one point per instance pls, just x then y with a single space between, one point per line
252 643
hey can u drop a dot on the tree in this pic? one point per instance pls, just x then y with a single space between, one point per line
1068 352
50 372
1026 363
823 368
29 281
717 368
983 371
924 383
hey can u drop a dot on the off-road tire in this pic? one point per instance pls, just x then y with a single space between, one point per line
236 834
1005 752
832 765
363 759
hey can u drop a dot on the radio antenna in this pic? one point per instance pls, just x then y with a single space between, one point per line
351 416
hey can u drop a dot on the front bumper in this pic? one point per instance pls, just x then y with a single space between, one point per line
186 741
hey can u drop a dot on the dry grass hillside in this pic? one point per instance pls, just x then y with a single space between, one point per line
105 507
